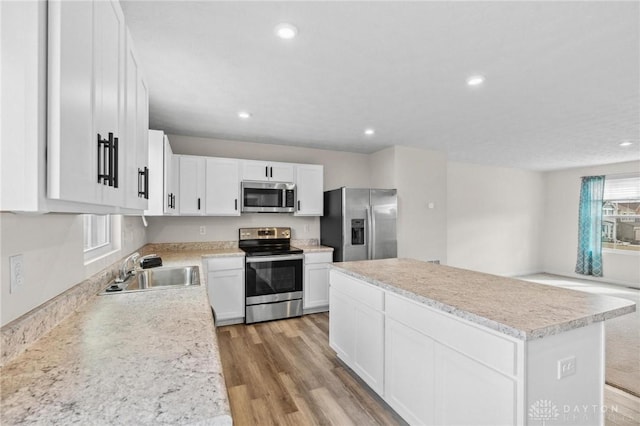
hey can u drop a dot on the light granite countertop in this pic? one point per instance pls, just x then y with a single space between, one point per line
146 357
314 248
520 309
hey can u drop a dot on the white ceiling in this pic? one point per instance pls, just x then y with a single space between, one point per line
562 78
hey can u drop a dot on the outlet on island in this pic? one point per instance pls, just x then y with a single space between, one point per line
566 367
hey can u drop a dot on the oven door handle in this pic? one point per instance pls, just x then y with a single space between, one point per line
262 259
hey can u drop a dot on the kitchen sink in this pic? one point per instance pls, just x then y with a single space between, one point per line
157 278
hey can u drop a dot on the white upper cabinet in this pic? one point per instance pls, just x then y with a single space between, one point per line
70 119
162 184
135 145
267 171
172 180
97 107
192 185
309 185
222 187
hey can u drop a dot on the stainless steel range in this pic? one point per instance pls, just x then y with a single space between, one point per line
273 274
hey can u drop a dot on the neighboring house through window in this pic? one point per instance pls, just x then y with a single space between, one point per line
621 213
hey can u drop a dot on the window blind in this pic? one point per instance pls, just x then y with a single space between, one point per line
622 187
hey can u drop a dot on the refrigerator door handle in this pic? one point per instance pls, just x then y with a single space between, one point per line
369 235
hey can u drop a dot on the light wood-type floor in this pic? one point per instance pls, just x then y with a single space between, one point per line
284 373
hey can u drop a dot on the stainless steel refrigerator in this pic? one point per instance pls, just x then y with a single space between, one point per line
360 224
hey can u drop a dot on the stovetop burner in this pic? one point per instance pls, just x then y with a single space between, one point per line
266 241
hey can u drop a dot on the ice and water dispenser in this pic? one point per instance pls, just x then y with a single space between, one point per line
357 232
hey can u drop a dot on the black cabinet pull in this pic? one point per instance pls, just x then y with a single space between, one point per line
98 157
146 183
110 160
114 164
198 203
266 171
173 200
169 200
271 168
143 183
105 160
236 204
298 205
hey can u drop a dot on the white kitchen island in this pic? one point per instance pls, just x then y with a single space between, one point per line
447 346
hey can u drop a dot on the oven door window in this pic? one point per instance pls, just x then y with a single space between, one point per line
261 197
266 278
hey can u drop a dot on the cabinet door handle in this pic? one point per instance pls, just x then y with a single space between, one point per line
198 203
173 201
143 183
146 183
169 200
113 161
98 157
236 204
266 171
110 164
298 205
105 160
271 174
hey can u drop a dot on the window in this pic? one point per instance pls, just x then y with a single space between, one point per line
98 235
621 213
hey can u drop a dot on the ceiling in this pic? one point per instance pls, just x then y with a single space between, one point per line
562 79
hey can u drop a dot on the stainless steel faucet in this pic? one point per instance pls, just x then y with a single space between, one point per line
125 271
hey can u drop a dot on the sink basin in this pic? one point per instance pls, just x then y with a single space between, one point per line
157 278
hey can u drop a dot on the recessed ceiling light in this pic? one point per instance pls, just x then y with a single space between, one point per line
369 132
475 80
244 115
626 143
286 31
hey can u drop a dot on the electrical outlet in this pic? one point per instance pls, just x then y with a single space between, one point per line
16 271
203 230
566 367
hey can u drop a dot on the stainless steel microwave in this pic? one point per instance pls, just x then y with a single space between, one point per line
268 197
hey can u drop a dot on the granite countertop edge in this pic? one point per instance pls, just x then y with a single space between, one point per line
526 335
102 334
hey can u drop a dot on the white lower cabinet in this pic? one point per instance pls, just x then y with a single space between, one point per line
467 389
225 287
409 375
316 282
430 367
356 327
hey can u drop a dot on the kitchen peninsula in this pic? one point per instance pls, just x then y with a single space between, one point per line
444 345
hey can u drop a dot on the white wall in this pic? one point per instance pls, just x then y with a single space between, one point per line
52 247
187 229
495 216
420 177
561 226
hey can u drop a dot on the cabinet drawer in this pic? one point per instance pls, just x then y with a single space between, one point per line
225 263
364 293
482 345
321 257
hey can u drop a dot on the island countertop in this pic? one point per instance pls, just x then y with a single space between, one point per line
517 308
146 357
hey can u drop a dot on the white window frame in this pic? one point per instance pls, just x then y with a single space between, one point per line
94 250
621 189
